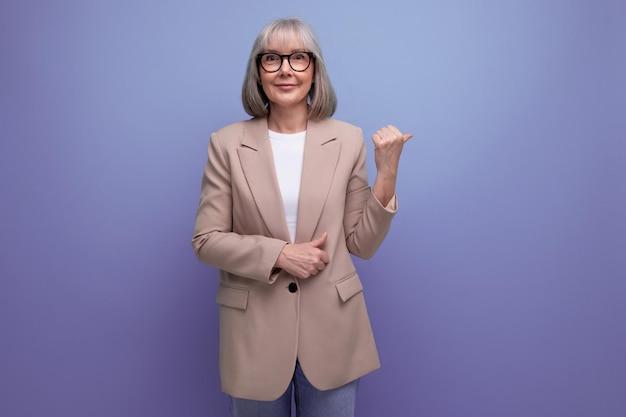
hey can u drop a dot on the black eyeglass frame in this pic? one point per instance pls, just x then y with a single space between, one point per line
282 59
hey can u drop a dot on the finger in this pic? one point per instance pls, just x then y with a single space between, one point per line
407 136
386 133
395 131
381 138
324 257
319 241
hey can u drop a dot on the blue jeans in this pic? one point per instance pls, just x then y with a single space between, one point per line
309 401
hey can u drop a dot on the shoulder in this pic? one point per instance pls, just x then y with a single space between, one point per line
338 125
234 129
340 130
233 135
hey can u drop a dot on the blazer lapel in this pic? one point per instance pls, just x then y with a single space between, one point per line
321 154
257 162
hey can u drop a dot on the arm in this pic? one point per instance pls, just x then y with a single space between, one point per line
368 212
214 242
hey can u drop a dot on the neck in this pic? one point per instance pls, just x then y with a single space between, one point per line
288 120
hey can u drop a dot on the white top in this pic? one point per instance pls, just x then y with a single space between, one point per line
288 149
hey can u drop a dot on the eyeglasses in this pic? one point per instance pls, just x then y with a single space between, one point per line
298 61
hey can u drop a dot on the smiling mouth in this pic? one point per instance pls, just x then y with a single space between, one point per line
287 88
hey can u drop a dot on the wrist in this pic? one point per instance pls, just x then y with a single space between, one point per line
280 260
383 192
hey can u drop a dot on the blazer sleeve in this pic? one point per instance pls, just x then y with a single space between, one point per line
366 221
214 242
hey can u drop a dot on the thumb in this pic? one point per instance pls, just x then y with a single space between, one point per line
406 137
319 241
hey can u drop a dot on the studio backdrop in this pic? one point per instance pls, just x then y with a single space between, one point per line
499 292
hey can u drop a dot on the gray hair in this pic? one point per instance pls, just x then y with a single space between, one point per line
322 98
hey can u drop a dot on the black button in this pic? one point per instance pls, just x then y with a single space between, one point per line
293 287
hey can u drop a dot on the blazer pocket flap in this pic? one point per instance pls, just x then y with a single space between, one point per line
232 297
349 287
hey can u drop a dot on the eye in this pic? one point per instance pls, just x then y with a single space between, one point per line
271 58
299 56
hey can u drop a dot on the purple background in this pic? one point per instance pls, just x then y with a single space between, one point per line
500 291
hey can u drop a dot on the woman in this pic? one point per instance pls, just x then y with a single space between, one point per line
285 200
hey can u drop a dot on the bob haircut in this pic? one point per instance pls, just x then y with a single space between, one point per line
322 98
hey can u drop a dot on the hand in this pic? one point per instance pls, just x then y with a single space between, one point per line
303 260
388 143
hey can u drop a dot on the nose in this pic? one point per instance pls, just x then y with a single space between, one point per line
284 65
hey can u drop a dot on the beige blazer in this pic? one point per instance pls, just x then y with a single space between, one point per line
266 322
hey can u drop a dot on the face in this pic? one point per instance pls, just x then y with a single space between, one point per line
287 88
